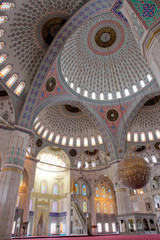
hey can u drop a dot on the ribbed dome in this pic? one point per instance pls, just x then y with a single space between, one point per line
102 56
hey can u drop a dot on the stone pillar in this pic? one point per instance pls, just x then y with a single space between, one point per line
12 168
144 20
93 215
123 201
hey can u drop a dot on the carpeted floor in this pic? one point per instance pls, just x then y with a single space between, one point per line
115 237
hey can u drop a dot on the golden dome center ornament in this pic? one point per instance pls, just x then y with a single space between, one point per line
134 172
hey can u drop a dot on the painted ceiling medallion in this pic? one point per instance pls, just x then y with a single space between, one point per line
39 142
112 115
51 28
152 101
105 37
157 145
73 152
50 85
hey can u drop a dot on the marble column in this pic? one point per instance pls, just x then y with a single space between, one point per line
93 215
10 174
144 21
123 201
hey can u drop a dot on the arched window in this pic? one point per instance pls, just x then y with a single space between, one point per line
93 95
85 142
44 186
100 141
86 165
150 136
111 208
1 32
78 90
30 205
85 93
3 58
19 88
110 97
1 45
3 19
45 133
129 137
54 206
149 77
101 96
84 190
6 6
97 192
78 142
93 141
12 80
118 94
142 83
72 85
135 137
146 158
66 78
98 208
93 164
126 91
40 129
76 188
103 192
71 140
57 139
84 206
55 189
5 71
143 136
64 140
105 208
50 138
157 133
134 87
109 193
18 201
79 164
153 158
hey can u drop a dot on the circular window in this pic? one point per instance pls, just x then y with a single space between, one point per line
157 145
112 115
105 37
50 85
39 142
73 152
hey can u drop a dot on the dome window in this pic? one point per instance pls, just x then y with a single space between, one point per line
45 133
5 71
143 137
146 159
126 91
79 164
6 6
118 94
101 96
157 133
110 97
35 120
66 78
85 93
86 165
37 125
57 139
50 138
3 19
93 95
129 137
12 80
100 141
78 142
64 140
78 90
85 142
20 88
93 141
40 129
149 77
142 83
3 58
1 45
1 32
71 140
153 158
134 87
150 136
135 137
93 164
72 85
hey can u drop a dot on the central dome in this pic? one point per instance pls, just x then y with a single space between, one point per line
102 60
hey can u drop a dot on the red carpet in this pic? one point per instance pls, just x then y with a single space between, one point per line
115 237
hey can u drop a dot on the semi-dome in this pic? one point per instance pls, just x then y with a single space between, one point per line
102 60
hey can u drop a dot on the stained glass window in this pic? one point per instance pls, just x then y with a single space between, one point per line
19 88
54 207
76 188
6 6
105 208
98 208
44 186
5 71
84 190
103 192
12 80
55 189
97 192
109 193
84 207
